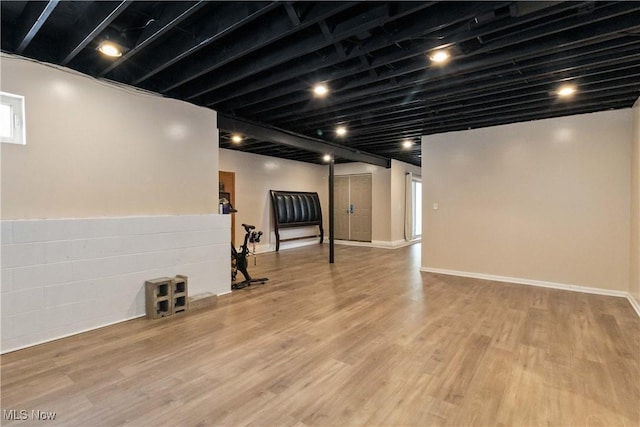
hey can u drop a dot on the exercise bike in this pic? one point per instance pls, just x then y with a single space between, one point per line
239 260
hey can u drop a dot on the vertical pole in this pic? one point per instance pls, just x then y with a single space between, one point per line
331 219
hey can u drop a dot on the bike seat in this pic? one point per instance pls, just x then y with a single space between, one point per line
248 227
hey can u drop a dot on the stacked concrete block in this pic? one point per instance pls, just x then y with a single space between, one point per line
165 296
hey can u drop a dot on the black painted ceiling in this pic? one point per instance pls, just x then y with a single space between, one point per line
259 60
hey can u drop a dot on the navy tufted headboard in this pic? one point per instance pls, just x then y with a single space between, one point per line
295 209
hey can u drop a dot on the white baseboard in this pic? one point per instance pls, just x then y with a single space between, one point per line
634 303
393 244
380 244
271 247
540 283
351 243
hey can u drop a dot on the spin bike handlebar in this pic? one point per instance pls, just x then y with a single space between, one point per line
250 236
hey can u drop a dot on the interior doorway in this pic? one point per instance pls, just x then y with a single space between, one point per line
352 207
413 208
416 189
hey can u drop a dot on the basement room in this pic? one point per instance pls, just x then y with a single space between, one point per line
313 213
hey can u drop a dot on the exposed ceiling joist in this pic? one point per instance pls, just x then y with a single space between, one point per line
35 15
97 18
172 14
268 32
424 22
183 44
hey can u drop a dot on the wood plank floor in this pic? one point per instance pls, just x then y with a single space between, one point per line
368 341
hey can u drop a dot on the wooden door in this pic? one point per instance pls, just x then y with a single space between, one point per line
341 207
352 207
227 184
360 218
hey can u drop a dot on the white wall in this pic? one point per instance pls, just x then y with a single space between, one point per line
61 277
95 149
546 200
114 187
255 176
634 258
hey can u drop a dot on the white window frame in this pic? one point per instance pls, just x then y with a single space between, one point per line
18 131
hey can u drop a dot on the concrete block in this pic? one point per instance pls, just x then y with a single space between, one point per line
180 298
158 297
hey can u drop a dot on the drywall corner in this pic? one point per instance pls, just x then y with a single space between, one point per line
634 249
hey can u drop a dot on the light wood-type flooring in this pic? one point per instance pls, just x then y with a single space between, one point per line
368 341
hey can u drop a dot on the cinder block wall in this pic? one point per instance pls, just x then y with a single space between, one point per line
64 276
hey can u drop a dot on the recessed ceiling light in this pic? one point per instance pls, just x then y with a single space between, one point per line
407 143
439 56
110 49
236 138
327 158
341 131
320 89
566 91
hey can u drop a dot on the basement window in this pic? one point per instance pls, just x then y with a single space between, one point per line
12 129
